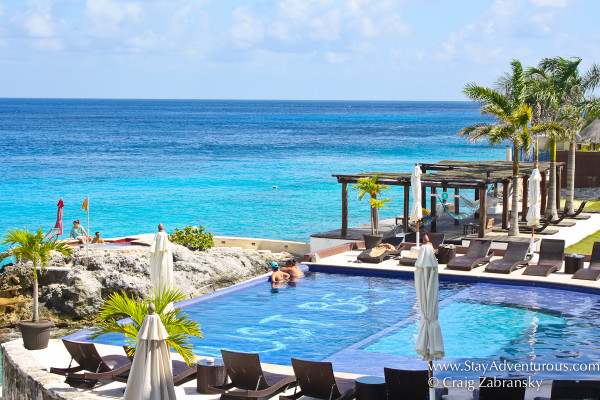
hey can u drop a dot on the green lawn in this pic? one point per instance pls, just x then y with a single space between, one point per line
584 246
592 205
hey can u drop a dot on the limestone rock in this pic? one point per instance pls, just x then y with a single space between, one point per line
77 292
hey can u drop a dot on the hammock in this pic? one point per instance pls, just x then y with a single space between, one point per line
471 206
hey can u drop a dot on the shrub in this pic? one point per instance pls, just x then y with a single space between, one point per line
193 237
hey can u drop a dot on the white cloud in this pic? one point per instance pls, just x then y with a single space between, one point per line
328 27
504 31
246 28
550 3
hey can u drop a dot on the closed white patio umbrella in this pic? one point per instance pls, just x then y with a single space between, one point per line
416 212
533 213
161 263
430 344
151 375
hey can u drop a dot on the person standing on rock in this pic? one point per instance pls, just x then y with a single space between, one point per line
161 261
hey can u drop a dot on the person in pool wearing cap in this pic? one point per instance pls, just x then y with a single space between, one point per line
278 276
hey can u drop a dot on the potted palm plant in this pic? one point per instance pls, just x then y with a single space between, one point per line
35 248
369 186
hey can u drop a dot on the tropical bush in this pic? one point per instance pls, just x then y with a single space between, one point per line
35 247
177 324
193 237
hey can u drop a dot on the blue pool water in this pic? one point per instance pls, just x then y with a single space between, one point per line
373 323
214 162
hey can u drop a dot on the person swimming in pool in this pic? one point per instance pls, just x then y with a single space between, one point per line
98 239
292 269
277 278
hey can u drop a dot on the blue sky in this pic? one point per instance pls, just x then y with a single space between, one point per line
282 49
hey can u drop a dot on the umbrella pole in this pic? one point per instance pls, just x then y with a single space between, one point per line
430 381
418 239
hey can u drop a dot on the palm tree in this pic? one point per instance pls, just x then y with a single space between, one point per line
34 247
177 324
549 84
512 117
579 108
369 186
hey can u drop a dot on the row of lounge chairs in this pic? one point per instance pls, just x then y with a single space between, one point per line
245 379
551 256
92 367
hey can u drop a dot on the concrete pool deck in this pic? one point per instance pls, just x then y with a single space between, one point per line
36 364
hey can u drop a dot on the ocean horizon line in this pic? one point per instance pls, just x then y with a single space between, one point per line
228 99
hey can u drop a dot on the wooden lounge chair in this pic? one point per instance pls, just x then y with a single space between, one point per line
182 372
246 375
410 385
579 210
92 366
538 229
436 239
366 256
573 390
500 389
592 273
478 253
316 380
515 256
552 252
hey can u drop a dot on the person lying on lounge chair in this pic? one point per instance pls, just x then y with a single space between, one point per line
292 269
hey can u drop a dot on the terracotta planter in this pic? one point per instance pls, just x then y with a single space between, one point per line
36 335
372 240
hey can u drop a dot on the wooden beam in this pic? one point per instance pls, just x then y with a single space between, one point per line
406 206
456 206
433 212
544 193
344 210
482 211
505 204
525 198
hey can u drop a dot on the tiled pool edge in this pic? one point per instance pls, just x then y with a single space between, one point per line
404 274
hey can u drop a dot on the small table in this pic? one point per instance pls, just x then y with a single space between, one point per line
446 253
370 388
573 263
468 228
210 375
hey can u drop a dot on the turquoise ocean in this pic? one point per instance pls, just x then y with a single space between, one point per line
242 168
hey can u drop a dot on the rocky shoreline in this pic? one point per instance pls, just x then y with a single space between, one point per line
72 289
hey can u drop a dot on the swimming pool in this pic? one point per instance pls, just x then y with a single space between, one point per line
364 323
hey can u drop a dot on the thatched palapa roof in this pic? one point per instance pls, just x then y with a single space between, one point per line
591 134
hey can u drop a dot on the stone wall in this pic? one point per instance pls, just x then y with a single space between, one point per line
24 378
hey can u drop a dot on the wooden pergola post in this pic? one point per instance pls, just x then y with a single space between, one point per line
505 204
456 206
525 198
344 209
482 211
544 191
406 205
476 198
433 213
558 185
